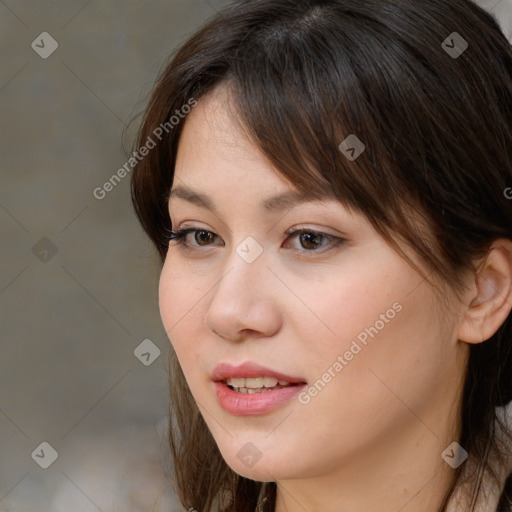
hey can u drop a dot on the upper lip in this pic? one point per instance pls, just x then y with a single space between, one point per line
250 369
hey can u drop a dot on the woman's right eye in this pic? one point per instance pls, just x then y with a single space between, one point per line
201 237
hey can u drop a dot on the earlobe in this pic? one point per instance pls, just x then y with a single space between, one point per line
490 296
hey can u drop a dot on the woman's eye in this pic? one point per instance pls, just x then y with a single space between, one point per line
197 238
312 240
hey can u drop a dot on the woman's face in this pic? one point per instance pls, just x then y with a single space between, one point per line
333 306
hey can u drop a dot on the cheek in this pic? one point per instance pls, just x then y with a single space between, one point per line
375 331
388 348
360 300
179 301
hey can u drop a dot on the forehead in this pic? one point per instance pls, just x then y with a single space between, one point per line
215 153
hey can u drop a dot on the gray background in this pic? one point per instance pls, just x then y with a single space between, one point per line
78 279
70 323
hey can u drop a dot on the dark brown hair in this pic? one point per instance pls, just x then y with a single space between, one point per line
305 74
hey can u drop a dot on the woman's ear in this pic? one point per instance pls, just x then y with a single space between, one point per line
489 299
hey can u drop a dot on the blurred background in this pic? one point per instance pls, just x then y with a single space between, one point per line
83 365
78 279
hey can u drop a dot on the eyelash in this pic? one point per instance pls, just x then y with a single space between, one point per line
179 237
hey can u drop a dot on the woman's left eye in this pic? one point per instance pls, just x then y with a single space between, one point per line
312 240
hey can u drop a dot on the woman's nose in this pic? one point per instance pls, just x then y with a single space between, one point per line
243 303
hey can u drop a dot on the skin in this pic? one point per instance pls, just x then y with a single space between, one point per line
372 438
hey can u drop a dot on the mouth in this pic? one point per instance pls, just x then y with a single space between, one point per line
252 385
251 389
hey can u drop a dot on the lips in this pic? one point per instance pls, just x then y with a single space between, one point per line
251 389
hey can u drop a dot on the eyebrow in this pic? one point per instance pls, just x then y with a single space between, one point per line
272 204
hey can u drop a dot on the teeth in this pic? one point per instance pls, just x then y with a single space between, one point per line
255 382
270 382
251 391
236 383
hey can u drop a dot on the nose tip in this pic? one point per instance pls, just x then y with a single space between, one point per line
243 305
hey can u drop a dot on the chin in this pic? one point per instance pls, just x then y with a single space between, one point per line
252 474
259 473
264 469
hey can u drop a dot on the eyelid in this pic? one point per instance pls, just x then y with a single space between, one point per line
182 232
310 229
301 227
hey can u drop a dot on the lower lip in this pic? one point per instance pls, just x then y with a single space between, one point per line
245 404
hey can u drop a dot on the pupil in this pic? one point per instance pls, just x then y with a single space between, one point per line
203 236
308 240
